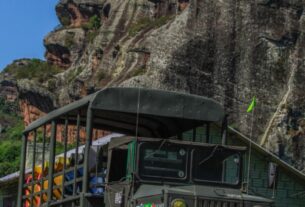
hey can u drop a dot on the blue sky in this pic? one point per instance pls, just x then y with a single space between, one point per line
24 23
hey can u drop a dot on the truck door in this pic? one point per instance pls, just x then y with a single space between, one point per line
119 175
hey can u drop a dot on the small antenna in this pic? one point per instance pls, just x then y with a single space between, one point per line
138 108
250 151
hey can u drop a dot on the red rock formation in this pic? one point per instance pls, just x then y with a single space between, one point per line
60 61
72 134
78 19
29 112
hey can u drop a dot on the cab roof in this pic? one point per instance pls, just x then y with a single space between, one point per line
157 113
123 140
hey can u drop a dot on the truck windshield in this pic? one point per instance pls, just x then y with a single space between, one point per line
216 164
162 161
169 161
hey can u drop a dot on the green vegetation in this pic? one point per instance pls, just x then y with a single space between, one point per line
69 39
33 69
92 27
73 74
94 23
10 137
91 35
14 133
60 148
101 75
10 149
9 156
138 72
65 20
140 25
51 85
147 23
8 113
10 143
7 108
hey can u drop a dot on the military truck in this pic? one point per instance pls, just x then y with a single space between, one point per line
151 165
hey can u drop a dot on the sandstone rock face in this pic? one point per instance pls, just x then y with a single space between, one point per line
33 102
75 13
64 46
8 91
226 50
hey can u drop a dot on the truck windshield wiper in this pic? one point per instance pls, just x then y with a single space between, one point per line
208 157
154 152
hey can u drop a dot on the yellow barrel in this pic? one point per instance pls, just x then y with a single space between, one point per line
40 174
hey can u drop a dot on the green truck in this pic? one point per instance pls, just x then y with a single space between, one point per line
151 165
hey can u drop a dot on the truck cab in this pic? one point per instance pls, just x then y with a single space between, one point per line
149 163
174 173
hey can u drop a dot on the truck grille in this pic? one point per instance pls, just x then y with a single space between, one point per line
217 203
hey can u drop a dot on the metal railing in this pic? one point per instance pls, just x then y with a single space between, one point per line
34 189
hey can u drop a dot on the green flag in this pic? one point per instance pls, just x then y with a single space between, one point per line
252 105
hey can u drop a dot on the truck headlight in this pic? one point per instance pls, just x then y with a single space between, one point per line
178 203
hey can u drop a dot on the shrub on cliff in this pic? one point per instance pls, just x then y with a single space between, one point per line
10 149
10 137
69 40
92 27
8 108
33 69
94 23
147 23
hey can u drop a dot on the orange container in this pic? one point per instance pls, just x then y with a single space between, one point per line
38 175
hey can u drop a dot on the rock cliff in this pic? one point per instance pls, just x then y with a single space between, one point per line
228 50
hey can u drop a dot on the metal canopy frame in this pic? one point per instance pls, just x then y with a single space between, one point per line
132 111
158 113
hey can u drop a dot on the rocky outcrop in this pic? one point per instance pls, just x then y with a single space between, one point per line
34 101
230 51
75 13
31 98
8 91
226 50
32 104
65 44
64 47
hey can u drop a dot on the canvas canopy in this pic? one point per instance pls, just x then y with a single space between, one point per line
149 112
